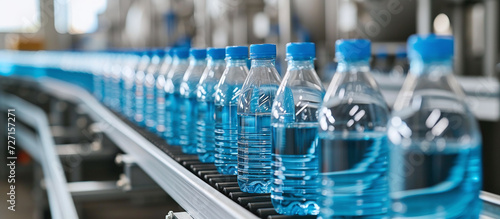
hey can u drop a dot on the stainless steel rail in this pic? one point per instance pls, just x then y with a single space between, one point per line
40 145
491 205
198 198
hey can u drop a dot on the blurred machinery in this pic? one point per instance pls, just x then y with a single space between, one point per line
153 23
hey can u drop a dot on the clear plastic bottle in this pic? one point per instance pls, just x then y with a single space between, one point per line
254 120
150 87
352 131
106 77
171 88
127 84
139 76
115 81
187 102
97 72
401 66
226 103
294 124
165 67
205 96
435 150
381 63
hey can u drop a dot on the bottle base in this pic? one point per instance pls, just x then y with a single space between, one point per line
226 169
188 149
254 186
206 157
298 207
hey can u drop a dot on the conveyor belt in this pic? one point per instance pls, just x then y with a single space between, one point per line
259 204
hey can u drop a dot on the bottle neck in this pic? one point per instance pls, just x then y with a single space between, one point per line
353 66
307 63
269 62
421 67
214 62
179 61
155 59
236 62
197 62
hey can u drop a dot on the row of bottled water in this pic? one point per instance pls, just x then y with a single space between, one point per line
335 152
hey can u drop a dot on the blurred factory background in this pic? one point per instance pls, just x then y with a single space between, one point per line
94 25
104 24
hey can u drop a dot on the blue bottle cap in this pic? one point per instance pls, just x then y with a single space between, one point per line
237 52
198 53
160 52
151 52
262 51
181 52
381 52
216 53
298 51
141 52
430 47
171 52
353 50
133 52
401 52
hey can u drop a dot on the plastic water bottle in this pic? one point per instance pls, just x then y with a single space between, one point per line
381 63
165 67
435 150
352 130
187 102
127 84
254 120
115 79
150 87
294 124
226 104
172 84
140 76
97 72
106 78
401 65
205 96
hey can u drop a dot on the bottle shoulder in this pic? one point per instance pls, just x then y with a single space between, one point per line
257 98
227 94
430 110
431 87
433 130
346 116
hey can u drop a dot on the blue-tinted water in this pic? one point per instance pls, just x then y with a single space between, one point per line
106 89
128 97
254 152
115 101
226 139
254 139
295 187
150 103
187 119
353 174
171 118
205 135
160 106
98 86
436 184
139 103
